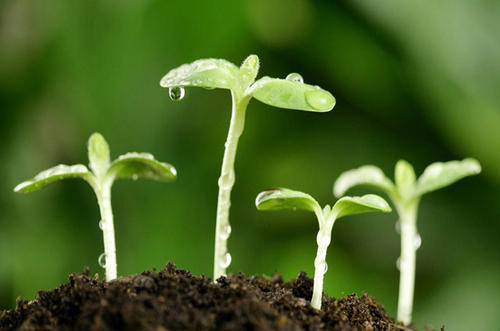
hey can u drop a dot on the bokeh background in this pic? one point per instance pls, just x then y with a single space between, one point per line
417 80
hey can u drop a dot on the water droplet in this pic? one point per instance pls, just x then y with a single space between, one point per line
320 100
209 87
135 177
101 225
398 263
176 93
321 266
397 227
417 241
226 181
323 240
295 77
227 261
102 260
226 232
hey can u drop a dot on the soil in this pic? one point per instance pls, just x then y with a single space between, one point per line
173 299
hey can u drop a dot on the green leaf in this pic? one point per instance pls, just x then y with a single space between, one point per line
56 173
405 179
366 175
98 151
283 198
441 174
208 73
357 205
289 94
136 165
249 69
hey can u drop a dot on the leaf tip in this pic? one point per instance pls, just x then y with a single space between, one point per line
20 187
261 197
473 165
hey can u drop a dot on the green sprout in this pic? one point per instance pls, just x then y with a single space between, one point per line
290 93
282 198
101 177
405 195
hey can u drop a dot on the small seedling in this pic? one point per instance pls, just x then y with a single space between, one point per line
290 93
405 195
101 176
279 199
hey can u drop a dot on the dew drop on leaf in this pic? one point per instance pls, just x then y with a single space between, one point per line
102 260
176 93
101 225
319 99
398 263
325 267
135 177
227 261
295 77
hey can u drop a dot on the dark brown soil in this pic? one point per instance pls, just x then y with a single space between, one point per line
173 299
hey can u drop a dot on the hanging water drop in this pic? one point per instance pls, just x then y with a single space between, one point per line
325 267
295 77
227 261
226 232
417 241
398 263
101 225
102 260
176 93
135 177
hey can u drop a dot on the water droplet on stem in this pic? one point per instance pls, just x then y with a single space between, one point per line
295 77
227 261
102 260
226 232
417 241
176 93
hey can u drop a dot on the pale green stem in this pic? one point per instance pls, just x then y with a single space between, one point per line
407 261
226 182
103 192
323 240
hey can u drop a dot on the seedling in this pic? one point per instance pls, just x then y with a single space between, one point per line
101 176
405 195
282 198
290 93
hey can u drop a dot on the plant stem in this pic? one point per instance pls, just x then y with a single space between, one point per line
408 215
226 182
323 240
103 192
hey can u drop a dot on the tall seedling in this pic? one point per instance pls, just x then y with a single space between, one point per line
290 93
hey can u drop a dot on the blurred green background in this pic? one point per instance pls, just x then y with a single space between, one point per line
413 79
